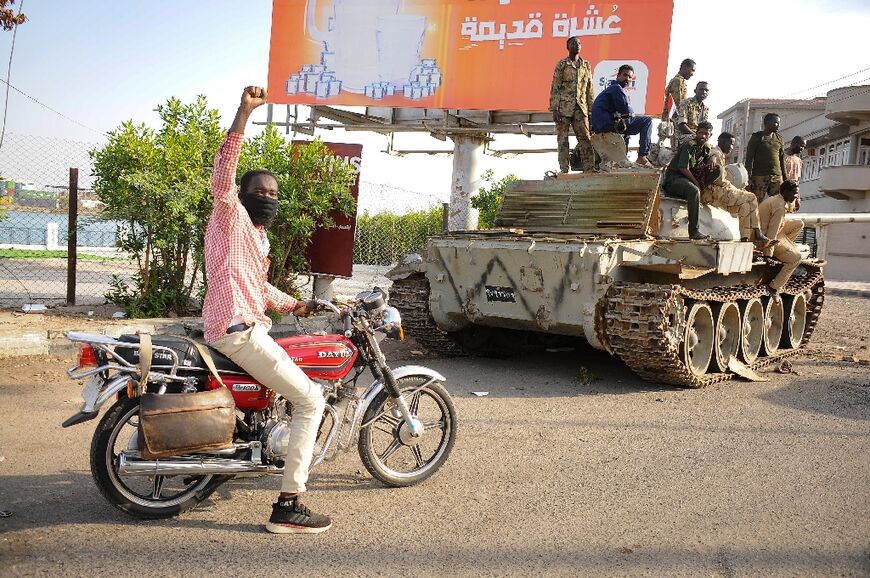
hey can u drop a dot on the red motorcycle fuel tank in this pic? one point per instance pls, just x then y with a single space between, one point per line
325 357
321 356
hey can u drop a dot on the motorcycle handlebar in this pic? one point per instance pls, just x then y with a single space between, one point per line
325 305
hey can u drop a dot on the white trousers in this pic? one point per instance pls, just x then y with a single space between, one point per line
264 360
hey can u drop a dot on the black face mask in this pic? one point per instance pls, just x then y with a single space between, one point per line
261 209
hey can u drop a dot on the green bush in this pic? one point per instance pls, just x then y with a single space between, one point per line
488 198
384 238
157 183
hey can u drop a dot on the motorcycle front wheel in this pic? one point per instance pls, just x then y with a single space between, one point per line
147 497
387 449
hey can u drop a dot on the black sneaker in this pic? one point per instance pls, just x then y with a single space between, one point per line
291 517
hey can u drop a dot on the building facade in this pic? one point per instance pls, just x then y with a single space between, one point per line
836 166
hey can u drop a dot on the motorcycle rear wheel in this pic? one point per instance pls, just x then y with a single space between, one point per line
169 495
387 450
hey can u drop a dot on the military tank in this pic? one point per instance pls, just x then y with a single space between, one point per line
604 257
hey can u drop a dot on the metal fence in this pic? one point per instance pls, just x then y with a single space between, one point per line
35 218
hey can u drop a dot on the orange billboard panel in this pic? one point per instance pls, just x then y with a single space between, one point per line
460 54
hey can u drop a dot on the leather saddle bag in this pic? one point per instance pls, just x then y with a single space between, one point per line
182 423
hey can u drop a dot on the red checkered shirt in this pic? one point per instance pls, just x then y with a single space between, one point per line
236 262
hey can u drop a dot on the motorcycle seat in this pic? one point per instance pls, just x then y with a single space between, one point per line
189 358
222 362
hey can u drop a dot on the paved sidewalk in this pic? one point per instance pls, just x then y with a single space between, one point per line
848 288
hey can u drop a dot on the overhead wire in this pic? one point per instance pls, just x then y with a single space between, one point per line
42 104
828 82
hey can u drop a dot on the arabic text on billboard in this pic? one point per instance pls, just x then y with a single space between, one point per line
464 54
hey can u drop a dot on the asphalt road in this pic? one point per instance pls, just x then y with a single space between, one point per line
550 475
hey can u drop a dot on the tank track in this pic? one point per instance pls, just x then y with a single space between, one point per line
644 324
411 297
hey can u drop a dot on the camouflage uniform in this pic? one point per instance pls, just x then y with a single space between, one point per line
571 95
771 214
677 91
721 193
692 112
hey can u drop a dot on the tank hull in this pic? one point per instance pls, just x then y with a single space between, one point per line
555 284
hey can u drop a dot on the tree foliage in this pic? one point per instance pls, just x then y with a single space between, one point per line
311 183
158 184
488 198
8 18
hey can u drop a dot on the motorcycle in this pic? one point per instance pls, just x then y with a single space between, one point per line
403 424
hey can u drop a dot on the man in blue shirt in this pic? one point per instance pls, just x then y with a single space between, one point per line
613 103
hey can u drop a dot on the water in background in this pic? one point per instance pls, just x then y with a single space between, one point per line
26 228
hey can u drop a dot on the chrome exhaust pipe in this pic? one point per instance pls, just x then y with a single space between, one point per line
190 467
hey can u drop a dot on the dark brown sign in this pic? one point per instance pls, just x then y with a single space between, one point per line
331 249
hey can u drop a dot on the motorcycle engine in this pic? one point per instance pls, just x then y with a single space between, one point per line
275 439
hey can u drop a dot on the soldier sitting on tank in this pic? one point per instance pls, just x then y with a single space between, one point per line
689 173
771 215
721 193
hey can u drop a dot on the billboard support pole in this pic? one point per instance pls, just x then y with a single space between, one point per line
323 287
468 152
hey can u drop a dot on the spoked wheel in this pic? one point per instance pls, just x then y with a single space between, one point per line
387 448
795 320
140 496
773 322
698 338
727 334
752 330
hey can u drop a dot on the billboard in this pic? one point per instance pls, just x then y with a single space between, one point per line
459 54
330 251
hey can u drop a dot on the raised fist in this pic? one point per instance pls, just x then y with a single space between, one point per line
253 96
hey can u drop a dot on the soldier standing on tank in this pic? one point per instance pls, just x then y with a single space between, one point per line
765 160
771 214
571 99
677 92
721 193
688 174
691 113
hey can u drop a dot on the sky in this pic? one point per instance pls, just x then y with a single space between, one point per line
101 62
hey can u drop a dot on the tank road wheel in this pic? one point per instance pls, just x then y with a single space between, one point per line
752 330
773 322
727 334
697 347
795 320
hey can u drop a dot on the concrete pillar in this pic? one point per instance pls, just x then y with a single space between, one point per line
854 142
51 237
323 287
467 156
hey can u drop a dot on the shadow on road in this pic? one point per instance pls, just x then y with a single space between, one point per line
579 372
847 398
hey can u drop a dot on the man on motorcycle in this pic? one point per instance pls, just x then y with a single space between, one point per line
234 318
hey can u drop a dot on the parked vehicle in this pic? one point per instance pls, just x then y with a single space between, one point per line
403 424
